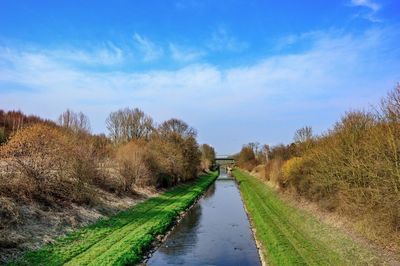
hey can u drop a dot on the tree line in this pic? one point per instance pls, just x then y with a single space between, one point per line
352 169
61 162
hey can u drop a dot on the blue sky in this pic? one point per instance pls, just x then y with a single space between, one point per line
237 71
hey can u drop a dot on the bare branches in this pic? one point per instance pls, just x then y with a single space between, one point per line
77 122
129 124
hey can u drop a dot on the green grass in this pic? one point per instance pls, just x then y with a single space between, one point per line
124 238
290 236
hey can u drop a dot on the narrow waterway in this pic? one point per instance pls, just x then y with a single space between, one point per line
215 231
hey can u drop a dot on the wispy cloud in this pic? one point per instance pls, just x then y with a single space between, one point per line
333 74
148 48
184 54
372 8
222 40
366 3
107 54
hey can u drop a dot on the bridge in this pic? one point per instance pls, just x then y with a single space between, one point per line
224 160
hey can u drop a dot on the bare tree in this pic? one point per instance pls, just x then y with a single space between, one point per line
207 156
177 126
303 135
77 122
127 124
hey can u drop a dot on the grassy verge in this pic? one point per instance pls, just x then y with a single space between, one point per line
290 236
123 238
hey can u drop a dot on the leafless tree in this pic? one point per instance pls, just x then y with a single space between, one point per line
77 122
303 135
127 124
177 126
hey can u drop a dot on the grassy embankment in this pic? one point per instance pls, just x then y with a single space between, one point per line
290 236
123 238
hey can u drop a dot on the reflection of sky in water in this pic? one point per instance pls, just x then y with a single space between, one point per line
214 232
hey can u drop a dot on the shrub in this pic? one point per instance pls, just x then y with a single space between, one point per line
174 158
133 165
37 152
273 171
49 165
246 159
291 169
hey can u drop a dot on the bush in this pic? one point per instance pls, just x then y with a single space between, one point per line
133 165
49 165
38 152
174 158
246 159
354 169
291 169
273 171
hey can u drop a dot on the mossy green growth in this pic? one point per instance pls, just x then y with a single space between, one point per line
290 236
124 238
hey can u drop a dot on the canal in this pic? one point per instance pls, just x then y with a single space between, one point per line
216 231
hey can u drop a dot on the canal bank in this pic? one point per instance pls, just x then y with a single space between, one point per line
215 231
124 238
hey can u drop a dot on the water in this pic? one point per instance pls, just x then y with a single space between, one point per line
215 231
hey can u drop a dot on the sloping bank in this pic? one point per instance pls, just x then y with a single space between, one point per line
290 236
123 238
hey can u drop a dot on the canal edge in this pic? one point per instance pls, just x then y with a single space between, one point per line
161 238
259 245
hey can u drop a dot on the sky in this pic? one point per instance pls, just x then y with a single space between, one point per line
238 71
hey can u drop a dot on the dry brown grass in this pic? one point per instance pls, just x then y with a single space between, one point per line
353 170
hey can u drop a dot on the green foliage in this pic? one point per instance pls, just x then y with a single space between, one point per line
292 237
124 238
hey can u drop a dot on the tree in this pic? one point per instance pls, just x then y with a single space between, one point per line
176 126
303 135
207 156
246 158
390 105
2 135
266 149
129 124
77 122
175 152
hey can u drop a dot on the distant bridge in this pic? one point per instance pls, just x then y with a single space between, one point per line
224 159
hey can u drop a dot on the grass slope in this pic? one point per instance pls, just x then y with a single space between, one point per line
123 238
290 236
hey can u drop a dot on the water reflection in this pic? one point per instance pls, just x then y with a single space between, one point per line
210 192
177 242
214 232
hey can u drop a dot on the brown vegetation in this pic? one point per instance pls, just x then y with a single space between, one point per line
207 157
353 169
59 166
13 121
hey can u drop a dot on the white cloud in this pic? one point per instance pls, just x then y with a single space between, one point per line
106 54
336 72
366 3
371 14
149 49
183 54
222 40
